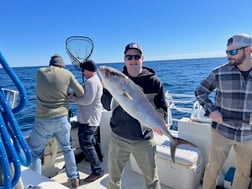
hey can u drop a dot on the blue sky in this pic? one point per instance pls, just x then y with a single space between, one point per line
31 30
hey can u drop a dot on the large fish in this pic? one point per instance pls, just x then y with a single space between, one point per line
132 99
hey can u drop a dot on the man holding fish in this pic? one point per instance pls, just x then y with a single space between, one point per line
139 108
128 135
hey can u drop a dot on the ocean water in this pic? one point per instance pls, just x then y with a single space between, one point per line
179 77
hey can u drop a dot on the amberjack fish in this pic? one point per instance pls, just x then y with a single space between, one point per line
132 99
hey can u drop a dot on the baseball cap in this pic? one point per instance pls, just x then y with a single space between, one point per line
57 60
241 40
133 46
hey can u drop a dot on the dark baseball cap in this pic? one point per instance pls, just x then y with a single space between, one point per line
133 46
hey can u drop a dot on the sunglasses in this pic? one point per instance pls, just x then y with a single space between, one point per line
234 51
130 57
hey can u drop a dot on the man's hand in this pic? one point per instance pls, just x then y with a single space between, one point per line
216 116
158 130
70 97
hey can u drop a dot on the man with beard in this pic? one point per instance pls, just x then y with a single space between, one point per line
231 113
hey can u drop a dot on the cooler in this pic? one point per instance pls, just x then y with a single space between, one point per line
185 173
228 178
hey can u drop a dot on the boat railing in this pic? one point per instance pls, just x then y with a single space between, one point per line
11 97
181 105
185 104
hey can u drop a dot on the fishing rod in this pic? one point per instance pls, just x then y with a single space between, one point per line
14 149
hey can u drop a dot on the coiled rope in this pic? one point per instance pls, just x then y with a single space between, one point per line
14 151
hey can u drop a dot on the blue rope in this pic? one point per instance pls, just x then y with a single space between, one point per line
11 157
17 82
13 147
5 170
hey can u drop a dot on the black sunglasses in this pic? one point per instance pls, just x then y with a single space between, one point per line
234 51
130 57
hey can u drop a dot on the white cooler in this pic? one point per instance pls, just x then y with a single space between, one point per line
185 173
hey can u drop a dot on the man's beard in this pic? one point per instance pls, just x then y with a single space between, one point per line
237 61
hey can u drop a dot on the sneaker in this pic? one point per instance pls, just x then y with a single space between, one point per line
92 178
75 183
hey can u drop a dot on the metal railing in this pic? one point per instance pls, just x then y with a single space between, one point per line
184 103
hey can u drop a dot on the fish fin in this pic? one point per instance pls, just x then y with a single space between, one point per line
127 95
175 143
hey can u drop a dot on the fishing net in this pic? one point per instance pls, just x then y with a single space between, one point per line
79 49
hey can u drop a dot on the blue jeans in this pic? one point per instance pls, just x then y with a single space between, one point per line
87 144
43 130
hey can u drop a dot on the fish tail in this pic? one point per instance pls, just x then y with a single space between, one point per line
175 143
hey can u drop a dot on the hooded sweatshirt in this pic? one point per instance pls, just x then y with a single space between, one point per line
121 122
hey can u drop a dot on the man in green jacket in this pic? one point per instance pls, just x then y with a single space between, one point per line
51 117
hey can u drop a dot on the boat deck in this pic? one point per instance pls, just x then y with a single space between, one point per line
130 179
59 180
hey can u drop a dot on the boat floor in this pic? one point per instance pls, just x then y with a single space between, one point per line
130 179
57 174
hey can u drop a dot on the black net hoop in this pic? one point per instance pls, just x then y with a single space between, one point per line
79 49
